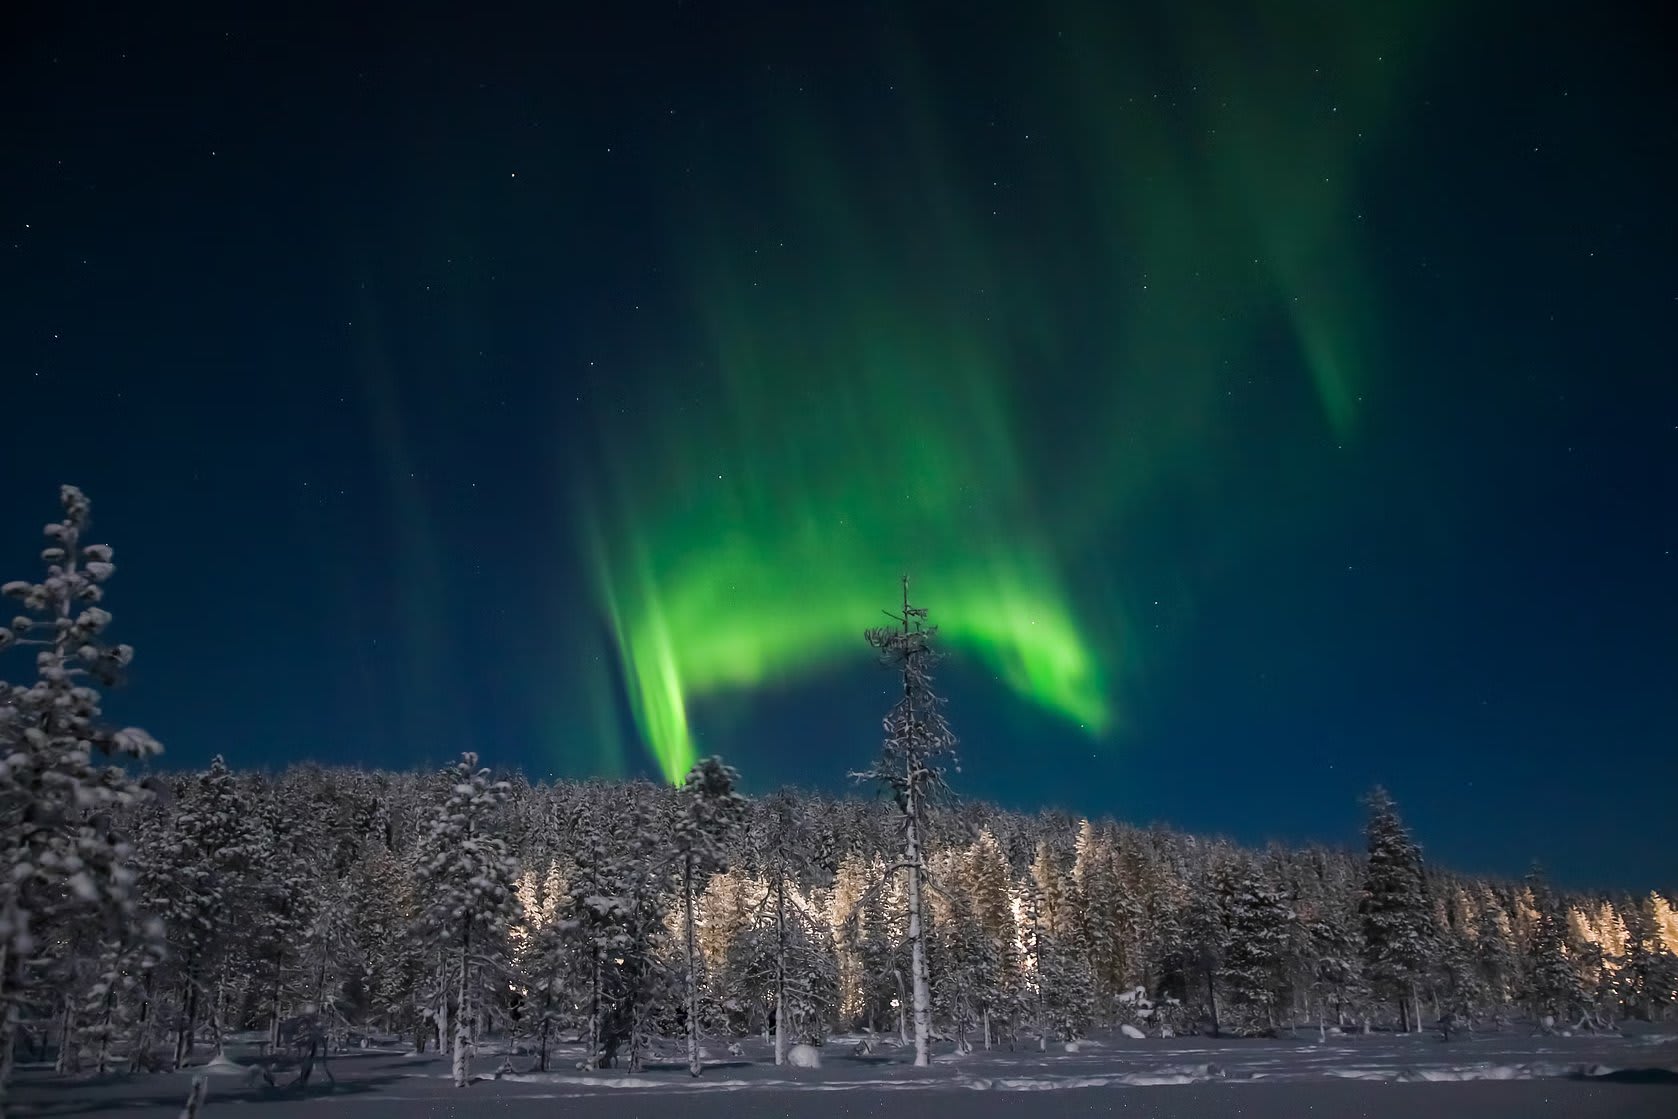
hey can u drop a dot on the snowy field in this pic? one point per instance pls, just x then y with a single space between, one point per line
1504 1075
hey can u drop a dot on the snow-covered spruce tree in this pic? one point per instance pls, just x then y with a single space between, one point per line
548 964
1459 989
64 860
330 959
1258 919
918 744
1494 956
1328 912
996 989
872 935
1553 990
594 919
1206 935
286 898
383 941
1651 969
953 949
467 880
1063 992
1107 916
203 890
1398 930
642 979
151 826
711 811
614 915
864 937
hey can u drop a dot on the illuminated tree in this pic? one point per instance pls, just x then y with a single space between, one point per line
1107 915
1552 988
1461 989
1651 968
1064 991
918 744
996 978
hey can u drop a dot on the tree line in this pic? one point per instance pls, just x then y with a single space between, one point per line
144 920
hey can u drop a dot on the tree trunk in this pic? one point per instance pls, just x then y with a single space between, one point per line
593 1059
693 976
102 1061
66 1022
1212 999
636 1036
917 941
189 999
8 1019
274 1022
902 1007
780 969
443 1019
142 1041
463 1016
220 1012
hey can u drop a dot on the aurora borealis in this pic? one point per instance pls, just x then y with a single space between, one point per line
1266 400
868 362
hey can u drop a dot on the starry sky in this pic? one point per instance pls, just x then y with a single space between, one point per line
1267 399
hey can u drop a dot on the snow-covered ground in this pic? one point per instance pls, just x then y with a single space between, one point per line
1512 1074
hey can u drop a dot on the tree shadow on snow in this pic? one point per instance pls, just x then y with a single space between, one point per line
47 1098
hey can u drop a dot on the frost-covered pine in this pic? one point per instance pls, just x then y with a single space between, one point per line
199 882
643 982
1494 955
284 905
1206 936
468 881
1552 987
1328 913
549 964
711 811
1259 921
330 956
782 959
918 745
390 948
1461 992
64 860
1651 969
615 917
996 990
1107 916
1064 993
595 922
1398 930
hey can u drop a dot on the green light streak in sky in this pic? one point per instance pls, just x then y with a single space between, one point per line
896 365
780 532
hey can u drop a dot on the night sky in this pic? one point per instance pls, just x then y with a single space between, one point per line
1268 399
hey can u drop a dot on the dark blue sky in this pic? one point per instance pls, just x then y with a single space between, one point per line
324 312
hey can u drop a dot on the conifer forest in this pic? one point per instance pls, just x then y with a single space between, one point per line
150 915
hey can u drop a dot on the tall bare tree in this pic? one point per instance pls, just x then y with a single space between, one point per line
918 745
